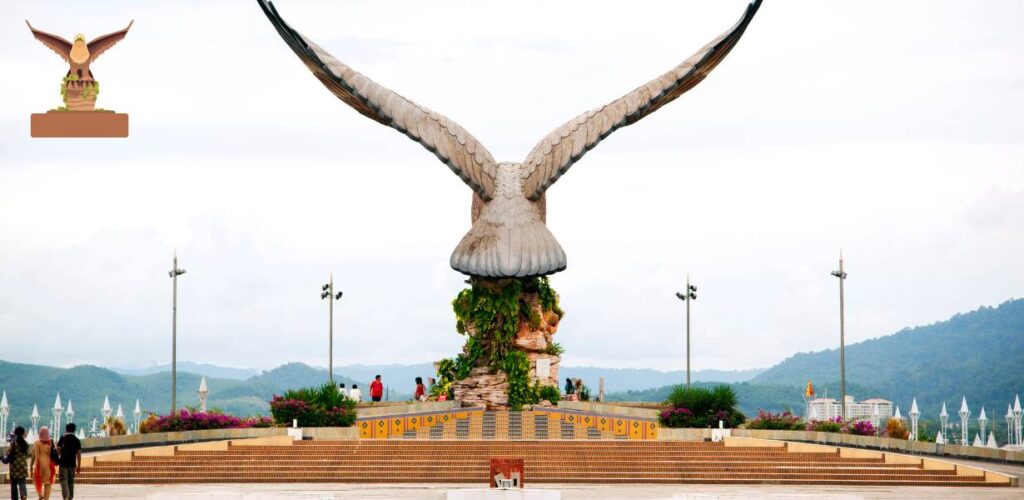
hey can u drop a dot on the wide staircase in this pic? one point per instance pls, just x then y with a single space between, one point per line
546 461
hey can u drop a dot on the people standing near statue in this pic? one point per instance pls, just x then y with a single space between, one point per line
421 390
354 394
44 466
376 389
70 449
17 456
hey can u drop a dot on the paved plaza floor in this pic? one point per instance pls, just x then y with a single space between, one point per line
569 492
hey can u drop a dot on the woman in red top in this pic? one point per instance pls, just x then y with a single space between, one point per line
421 391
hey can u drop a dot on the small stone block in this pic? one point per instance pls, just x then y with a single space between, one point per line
79 124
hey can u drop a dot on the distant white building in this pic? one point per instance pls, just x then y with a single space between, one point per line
828 408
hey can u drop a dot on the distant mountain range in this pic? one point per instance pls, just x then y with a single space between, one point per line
978 354
198 368
616 379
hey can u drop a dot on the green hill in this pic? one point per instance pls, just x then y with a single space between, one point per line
976 354
86 386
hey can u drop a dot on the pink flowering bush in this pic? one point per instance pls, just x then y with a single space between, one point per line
186 420
834 424
676 417
860 428
784 421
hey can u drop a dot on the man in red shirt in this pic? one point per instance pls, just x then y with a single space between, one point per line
376 389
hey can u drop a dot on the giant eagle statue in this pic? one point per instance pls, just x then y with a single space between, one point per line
508 237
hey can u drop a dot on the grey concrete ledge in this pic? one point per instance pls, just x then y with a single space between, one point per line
610 408
884 444
405 408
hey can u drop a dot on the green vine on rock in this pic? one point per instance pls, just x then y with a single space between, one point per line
490 313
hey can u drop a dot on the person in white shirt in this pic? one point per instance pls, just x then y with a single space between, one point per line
343 390
355 394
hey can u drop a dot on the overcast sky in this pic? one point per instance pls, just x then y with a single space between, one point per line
892 130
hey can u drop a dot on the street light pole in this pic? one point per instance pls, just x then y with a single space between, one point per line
842 335
689 295
174 273
327 292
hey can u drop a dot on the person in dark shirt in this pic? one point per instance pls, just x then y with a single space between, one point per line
70 449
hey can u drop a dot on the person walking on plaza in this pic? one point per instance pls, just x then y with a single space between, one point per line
70 449
421 390
376 389
17 456
355 394
44 468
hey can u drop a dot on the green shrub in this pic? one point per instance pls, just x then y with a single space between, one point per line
701 407
549 393
555 349
323 406
831 425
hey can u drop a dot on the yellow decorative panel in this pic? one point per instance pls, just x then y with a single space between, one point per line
365 429
652 431
604 423
380 428
412 423
636 429
397 426
620 427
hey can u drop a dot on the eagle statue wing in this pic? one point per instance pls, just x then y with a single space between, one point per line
57 44
441 136
553 156
100 44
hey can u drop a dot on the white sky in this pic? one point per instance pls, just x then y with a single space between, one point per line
894 130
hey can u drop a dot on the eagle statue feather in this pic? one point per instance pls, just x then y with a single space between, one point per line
508 237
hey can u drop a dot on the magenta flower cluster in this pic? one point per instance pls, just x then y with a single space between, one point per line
860 428
185 420
676 417
784 421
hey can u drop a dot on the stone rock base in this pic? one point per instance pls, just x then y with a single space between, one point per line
483 388
533 338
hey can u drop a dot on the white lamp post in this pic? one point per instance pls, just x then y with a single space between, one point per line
35 418
70 412
203 392
944 418
5 410
982 422
876 420
1009 424
914 415
106 413
137 414
58 410
964 414
1016 418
